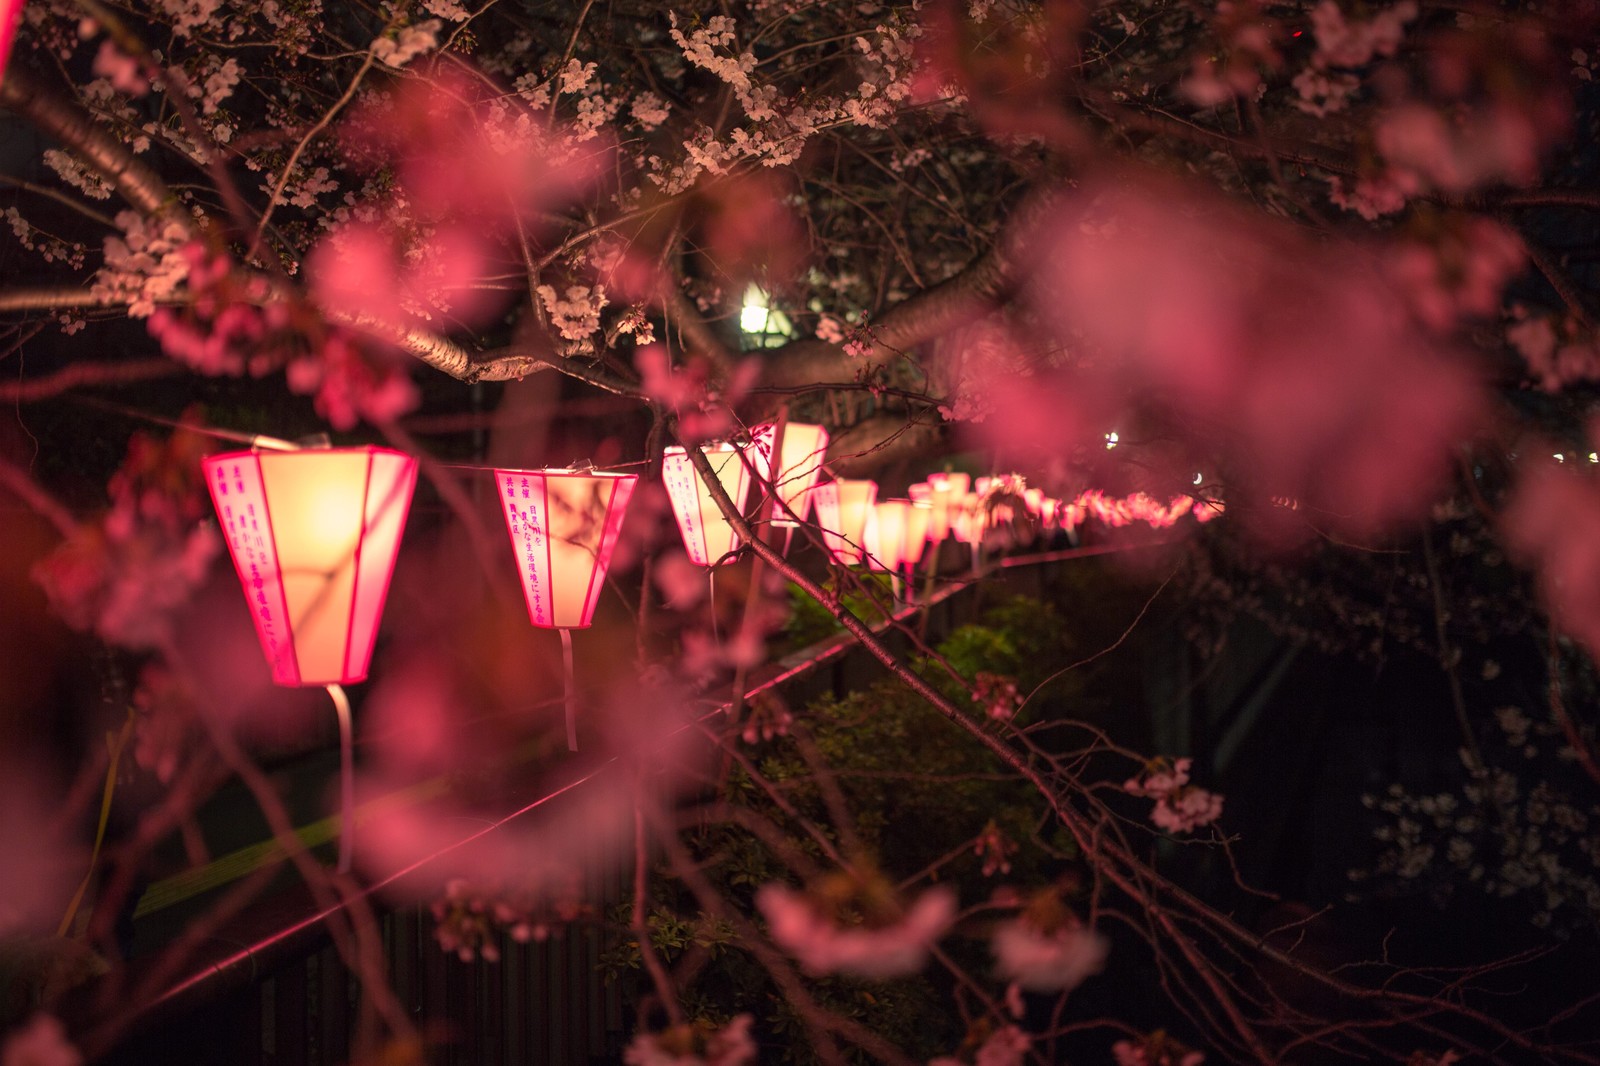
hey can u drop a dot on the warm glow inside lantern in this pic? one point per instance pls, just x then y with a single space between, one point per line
918 517
842 508
804 448
886 534
707 534
563 525
946 491
969 518
314 535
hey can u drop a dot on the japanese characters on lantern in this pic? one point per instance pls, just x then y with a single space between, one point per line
314 535
563 525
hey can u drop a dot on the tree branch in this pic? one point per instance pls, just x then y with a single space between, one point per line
77 130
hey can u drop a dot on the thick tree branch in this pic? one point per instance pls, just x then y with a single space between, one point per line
974 291
78 130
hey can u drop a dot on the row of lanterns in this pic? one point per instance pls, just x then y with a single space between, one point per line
314 533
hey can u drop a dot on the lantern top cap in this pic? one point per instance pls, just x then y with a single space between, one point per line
362 449
709 446
567 471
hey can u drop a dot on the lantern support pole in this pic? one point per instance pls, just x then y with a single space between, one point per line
572 690
347 776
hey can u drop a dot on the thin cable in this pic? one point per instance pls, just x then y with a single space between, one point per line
572 691
347 777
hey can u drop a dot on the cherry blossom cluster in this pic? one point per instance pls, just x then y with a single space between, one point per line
470 916
1180 806
124 574
988 1045
1343 46
1155 1049
997 695
146 264
995 849
1047 948
856 925
697 1044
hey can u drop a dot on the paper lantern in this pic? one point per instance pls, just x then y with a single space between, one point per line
918 518
564 525
708 536
969 518
842 508
946 491
314 535
886 534
804 448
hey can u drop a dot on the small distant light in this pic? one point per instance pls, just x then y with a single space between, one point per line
1199 478
753 318
1111 440
1560 458
1593 458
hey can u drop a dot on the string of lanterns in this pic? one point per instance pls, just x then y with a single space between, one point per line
314 534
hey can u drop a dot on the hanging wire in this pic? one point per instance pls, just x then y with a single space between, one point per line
347 777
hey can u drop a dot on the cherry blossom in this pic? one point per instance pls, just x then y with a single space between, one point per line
810 928
995 849
997 695
125 574
1047 949
1155 1049
1180 807
1547 524
1005 1046
700 1044
41 1041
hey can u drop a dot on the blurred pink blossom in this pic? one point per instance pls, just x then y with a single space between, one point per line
41 1041
1057 960
823 946
121 69
695 1045
1549 526
1155 1049
1006 1046
1180 807
1292 362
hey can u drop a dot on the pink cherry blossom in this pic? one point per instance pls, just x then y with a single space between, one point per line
696 1045
42 1041
822 945
122 70
1548 525
1155 1049
1057 960
1180 807
1295 361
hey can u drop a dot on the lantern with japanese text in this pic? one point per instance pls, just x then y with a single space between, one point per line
946 492
886 534
314 535
708 536
842 508
564 526
804 448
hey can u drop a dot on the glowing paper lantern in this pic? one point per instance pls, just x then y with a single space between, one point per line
918 517
804 448
969 519
314 535
886 534
947 490
842 508
708 536
563 525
